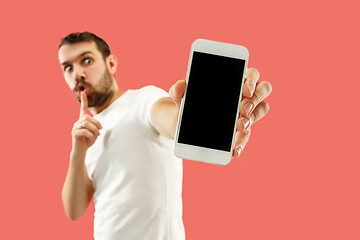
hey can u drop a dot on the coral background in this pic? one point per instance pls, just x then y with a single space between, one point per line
298 177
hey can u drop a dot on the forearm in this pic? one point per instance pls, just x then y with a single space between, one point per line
164 115
75 194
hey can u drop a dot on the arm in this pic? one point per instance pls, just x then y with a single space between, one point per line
165 112
164 115
78 191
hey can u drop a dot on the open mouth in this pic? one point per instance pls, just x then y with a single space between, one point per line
81 87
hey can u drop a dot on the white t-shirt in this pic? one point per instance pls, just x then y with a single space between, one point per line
135 174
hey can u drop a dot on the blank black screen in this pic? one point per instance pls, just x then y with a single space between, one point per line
212 97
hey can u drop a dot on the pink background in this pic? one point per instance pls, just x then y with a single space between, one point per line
298 177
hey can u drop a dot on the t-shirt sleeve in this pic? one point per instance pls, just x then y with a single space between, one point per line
147 97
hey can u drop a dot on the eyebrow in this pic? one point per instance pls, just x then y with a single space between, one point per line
79 56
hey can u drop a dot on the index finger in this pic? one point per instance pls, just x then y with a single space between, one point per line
252 76
84 103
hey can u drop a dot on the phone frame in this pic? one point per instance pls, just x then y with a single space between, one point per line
203 154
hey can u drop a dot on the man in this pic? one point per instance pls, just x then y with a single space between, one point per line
122 157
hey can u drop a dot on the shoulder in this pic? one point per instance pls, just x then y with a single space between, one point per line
145 97
151 89
150 94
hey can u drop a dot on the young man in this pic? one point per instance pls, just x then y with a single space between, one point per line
122 157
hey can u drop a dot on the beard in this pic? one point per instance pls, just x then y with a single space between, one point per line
97 97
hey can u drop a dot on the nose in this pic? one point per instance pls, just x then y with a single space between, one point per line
79 74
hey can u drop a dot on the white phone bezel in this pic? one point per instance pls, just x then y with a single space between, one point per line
202 154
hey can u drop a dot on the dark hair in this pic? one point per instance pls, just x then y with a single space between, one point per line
87 37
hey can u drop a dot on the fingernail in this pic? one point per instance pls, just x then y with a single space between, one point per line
251 88
238 150
245 122
248 107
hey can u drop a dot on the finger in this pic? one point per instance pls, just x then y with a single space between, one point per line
244 123
176 91
92 120
252 76
84 103
241 139
83 133
262 91
180 88
89 126
259 112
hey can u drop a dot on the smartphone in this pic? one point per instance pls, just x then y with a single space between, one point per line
210 105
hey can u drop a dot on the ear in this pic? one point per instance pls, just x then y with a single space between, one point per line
111 63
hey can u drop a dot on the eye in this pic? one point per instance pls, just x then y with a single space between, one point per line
87 60
67 68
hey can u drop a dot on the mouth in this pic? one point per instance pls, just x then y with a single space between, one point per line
81 87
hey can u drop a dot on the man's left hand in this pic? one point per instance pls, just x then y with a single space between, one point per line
252 107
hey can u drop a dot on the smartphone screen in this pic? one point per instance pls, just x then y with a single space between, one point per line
210 107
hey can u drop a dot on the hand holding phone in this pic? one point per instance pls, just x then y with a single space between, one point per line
210 106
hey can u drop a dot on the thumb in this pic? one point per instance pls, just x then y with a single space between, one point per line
177 91
84 103
180 88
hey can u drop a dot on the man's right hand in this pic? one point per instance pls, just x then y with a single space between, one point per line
78 189
86 129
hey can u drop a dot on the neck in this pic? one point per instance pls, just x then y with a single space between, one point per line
117 93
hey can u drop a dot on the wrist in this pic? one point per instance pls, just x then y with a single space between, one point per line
77 155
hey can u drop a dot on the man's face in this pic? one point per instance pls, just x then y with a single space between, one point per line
85 70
